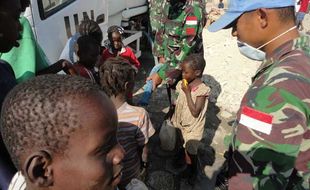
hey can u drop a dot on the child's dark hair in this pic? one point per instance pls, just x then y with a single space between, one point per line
88 50
196 61
114 74
114 28
41 113
91 28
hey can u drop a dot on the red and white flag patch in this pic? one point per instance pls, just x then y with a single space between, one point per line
256 120
191 20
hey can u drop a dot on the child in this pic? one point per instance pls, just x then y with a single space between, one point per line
87 27
61 134
135 128
117 48
221 5
88 52
191 108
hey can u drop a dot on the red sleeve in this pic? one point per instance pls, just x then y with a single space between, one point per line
304 6
132 58
105 55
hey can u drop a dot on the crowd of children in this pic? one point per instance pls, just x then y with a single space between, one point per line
83 131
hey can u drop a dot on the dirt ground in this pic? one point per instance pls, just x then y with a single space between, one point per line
228 74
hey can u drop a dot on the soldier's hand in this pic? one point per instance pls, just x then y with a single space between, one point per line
156 80
162 60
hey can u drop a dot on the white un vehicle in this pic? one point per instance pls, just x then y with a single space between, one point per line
54 21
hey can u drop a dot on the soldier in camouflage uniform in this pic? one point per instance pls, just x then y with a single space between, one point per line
183 31
270 144
158 15
177 36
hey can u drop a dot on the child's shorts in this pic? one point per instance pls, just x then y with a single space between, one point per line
300 16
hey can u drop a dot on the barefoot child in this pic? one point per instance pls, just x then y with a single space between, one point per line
60 132
191 107
117 78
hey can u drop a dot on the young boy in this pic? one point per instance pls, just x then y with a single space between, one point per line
61 134
135 128
117 48
88 52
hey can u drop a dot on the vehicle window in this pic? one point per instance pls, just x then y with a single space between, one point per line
50 7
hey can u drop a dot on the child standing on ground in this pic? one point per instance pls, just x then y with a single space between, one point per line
88 52
191 108
116 47
117 78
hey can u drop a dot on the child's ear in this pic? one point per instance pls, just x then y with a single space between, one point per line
129 86
38 169
198 73
76 49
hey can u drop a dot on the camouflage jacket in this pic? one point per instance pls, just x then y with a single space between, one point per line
181 32
271 140
158 14
159 10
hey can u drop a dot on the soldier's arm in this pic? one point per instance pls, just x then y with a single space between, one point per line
270 135
191 29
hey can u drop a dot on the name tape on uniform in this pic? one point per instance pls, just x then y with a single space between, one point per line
256 120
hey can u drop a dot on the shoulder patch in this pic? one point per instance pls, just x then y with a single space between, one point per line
256 120
191 20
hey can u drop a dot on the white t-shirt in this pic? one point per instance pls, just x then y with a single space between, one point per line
18 182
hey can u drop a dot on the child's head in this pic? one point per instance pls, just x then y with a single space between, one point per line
92 29
192 67
115 37
61 133
117 76
88 51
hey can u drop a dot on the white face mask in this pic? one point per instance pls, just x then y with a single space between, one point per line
255 53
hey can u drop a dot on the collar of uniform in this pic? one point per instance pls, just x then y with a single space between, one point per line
274 56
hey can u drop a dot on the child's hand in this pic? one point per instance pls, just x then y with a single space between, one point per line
67 67
185 87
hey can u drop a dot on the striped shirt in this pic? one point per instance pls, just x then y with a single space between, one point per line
135 129
18 182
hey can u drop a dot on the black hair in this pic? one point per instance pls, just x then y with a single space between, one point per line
91 28
113 29
24 4
114 74
286 14
196 61
88 51
41 113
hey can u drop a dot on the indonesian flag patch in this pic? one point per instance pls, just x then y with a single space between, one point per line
191 22
256 120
